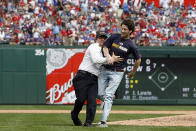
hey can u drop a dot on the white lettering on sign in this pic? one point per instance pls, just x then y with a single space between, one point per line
147 61
39 52
148 69
154 65
69 97
185 89
126 97
185 95
144 93
146 66
130 61
56 91
130 68
148 98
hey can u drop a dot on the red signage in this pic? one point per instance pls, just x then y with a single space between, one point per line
61 67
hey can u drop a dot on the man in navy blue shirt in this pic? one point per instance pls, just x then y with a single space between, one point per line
112 74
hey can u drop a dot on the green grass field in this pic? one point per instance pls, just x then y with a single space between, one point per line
62 122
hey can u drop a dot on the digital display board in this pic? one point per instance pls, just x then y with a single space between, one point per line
160 79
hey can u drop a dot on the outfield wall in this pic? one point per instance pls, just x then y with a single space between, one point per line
43 75
22 75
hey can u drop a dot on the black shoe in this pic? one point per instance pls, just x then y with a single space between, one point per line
75 120
87 124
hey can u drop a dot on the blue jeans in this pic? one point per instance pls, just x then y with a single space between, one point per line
108 82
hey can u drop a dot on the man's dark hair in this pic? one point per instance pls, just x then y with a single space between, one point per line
101 34
129 23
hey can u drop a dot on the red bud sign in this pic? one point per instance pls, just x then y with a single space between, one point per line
61 67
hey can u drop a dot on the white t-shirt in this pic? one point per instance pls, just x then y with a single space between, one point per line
2 35
115 4
32 3
36 11
49 2
20 35
92 57
165 3
36 35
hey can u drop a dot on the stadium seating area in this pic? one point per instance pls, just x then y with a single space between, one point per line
75 22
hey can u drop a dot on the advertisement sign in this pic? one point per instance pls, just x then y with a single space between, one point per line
61 67
160 79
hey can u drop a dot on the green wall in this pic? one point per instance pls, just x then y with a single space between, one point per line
23 76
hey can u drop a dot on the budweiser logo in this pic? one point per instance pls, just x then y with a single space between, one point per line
56 92
61 66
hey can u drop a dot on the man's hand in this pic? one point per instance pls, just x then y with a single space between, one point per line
110 60
116 58
108 57
113 59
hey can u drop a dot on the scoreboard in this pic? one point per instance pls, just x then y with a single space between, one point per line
160 79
